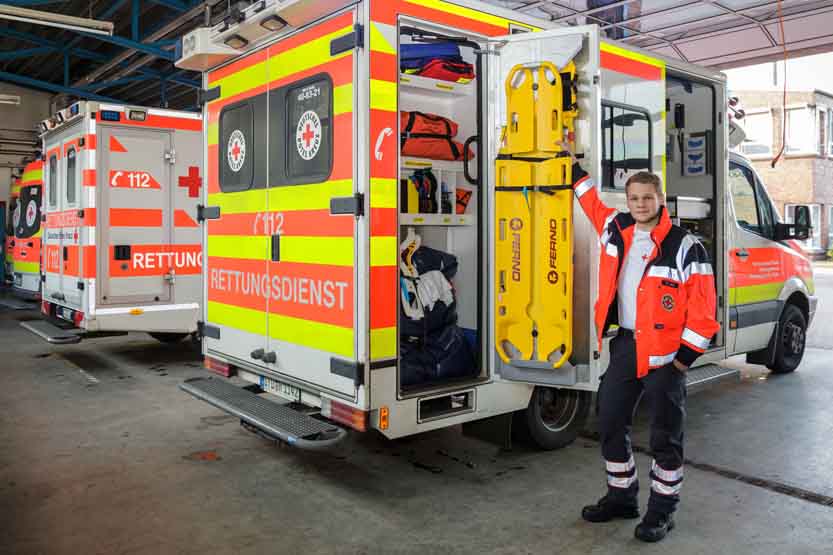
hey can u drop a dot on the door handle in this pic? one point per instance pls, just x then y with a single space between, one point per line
257 354
741 253
270 357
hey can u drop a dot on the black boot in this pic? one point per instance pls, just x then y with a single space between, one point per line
606 510
654 527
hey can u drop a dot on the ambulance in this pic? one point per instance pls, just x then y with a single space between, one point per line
13 216
121 238
28 233
345 305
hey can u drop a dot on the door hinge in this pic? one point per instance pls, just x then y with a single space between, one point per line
170 156
170 277
349 41
207 213
205 96
348 205
207 330
348 369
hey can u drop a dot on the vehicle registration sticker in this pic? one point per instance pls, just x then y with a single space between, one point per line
289 392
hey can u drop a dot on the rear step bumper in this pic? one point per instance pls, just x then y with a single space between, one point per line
709 375
277 420
52 333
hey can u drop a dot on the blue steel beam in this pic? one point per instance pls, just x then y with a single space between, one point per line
87 54
25 53
173 4
106 14
135 12
52 87
134 44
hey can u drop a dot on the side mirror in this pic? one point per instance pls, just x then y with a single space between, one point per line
799 229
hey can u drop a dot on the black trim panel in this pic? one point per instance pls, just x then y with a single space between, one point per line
753 314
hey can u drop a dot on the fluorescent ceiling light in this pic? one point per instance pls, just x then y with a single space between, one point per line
61 21
10 99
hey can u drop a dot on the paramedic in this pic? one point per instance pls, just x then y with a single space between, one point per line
656 284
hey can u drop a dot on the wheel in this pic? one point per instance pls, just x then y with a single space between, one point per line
554 417
164 337
791 340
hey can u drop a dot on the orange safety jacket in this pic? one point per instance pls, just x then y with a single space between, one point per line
676 300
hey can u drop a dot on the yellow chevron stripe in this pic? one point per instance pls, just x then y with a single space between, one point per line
382 192
297 197
342 104
470 13
285 64
383 251
631 55
26 267
334 251
378 41
315 335
382 95
382 343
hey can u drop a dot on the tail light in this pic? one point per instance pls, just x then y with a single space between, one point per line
44 307
219 367
77 318
344 414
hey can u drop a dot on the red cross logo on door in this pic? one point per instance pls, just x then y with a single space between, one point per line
192 181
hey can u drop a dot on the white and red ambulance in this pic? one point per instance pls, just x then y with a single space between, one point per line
121 239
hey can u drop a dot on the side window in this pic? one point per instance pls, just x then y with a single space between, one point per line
237 150
742 184
53 181
301 132
766 212
71 180
309 141
626 143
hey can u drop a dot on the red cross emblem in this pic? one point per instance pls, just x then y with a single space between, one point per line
645 258
308 135
193 181
235 150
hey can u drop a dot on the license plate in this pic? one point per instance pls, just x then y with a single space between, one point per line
65 313
289 392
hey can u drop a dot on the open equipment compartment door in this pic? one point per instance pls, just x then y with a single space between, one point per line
530 54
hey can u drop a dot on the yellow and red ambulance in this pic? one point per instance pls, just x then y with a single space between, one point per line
121 240
28 233
13 216
314 256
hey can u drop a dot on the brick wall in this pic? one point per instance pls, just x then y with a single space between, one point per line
795 179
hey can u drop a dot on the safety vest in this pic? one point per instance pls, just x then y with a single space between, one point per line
676 299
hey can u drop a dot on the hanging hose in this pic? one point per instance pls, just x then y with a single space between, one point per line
784 99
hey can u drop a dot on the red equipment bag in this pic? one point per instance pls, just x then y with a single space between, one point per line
445 70
430 136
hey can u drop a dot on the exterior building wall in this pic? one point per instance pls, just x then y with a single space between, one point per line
798 178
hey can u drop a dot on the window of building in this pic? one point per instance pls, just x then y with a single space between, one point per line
830 226
626 143
71 181
53 180
814 241
758 128
821 126
801 132
830 133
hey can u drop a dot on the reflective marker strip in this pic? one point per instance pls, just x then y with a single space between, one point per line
664 272
663 489
695 339
655 361
621 482
585 184
611 466
147 308
666 475
701 268
610 250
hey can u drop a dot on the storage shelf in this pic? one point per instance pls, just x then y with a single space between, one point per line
436 219
423 163
434 87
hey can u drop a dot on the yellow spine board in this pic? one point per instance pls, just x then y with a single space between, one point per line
534 247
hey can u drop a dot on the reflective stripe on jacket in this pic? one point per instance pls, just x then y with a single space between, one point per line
676 300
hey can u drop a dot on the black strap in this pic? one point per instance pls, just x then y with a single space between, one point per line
548 189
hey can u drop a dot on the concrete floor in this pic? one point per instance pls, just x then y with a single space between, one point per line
103 454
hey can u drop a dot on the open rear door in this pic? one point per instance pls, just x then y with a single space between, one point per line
542 88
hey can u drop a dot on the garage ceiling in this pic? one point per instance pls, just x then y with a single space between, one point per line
718 33
136 64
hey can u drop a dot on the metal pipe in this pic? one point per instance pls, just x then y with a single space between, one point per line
23 142
59 20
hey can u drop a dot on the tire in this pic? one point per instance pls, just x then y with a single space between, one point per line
790 341
163 337
554 417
